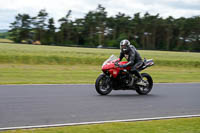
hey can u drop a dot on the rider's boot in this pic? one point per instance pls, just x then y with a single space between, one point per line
141 82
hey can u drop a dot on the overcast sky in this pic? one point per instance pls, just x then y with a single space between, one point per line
58 8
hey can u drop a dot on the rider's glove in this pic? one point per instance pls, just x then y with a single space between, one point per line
122 66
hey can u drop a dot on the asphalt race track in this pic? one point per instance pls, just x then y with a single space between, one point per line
29 105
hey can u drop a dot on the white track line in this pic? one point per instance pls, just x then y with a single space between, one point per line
88 84
41 84
98 122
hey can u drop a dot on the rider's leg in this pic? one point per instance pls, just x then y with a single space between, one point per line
135 71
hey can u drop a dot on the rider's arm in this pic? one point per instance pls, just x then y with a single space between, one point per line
132 57
121 56
131 61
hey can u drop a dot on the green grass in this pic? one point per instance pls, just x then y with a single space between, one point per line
5 40
32 54
48 74
83 74
31 64
184 125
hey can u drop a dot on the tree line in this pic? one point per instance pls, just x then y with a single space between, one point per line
96 28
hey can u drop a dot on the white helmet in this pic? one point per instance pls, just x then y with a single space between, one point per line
125 46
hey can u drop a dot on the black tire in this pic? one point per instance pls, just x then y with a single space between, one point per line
102 85
144 90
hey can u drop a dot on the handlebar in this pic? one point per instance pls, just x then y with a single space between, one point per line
116 64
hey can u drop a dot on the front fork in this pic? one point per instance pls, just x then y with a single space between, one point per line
106 82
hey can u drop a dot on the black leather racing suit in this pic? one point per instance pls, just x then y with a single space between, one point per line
134 60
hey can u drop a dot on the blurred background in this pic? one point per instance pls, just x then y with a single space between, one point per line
156 25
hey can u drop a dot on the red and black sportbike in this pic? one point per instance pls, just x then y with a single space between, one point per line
116 78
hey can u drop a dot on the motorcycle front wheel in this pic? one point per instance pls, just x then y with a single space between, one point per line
102 85
144 90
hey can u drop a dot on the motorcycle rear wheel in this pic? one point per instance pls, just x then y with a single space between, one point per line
144 90
102 85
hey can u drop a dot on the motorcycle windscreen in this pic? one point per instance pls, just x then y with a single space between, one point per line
111 58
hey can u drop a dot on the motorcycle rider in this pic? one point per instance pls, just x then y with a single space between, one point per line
133 57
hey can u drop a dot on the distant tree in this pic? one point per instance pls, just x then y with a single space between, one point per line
90 28
40 26
101 17
193 38
120 27
137 30
96 28
20 28
50 33
167 37
65 32
78 28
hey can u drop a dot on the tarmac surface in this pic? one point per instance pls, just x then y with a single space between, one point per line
29 105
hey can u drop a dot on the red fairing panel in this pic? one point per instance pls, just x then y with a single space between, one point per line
113 70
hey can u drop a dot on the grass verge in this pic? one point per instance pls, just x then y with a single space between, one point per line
183 125
2 40
83 74
31 64
32 54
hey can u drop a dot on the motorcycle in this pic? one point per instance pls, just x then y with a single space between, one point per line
116 78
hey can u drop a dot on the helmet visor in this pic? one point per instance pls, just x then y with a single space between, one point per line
123 46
